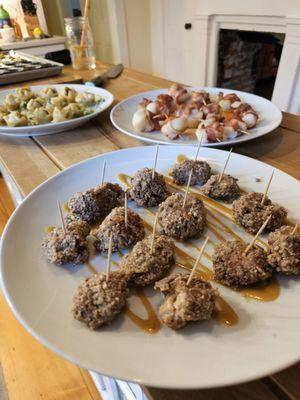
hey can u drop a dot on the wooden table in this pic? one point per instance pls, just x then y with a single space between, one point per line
30 370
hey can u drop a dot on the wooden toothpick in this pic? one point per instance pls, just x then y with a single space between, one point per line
198 148
258 233
126 209
245 132
62 218
187 188
267 188
197 262
153 233
296 228
155 161
225 165
103 172
109 258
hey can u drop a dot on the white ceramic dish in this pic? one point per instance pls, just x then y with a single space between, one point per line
270 118
51 128
203 355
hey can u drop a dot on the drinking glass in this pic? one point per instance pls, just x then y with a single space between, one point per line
81 49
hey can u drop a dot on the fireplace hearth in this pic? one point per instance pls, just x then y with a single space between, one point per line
249 61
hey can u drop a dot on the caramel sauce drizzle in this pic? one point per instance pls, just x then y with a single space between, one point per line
67 208
263 291
224 313
152 323
180 158
217 234
224 226
91 268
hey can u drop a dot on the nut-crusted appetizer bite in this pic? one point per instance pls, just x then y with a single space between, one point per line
94 204
82 228
99 300
122 236
185 303
284 250
236 267
179 221
146 190
201 172
67 247
250 213
144 267
224 188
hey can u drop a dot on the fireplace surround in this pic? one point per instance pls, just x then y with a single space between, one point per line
286 93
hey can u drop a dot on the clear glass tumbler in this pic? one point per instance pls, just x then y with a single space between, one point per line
81 49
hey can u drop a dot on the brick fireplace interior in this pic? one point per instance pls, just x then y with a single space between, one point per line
248 61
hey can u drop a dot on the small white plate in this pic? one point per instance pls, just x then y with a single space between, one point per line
270 118
202 355
51 128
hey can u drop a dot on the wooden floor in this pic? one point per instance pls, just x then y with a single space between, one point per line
24 360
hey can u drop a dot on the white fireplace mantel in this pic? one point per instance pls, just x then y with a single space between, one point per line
286 94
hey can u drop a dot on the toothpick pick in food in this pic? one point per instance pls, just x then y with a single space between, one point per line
103 172
61 217
155 161
109 258
267 188
198 148
245 132
126 209
296 227
187 188
153 233
197 262
225 165
258 233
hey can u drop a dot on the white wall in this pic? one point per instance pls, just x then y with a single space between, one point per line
137 15
180 52
253 7
100 25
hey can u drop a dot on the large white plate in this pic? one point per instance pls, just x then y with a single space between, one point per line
270 118
50 128
209 354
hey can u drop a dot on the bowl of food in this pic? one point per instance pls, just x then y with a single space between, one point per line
184 115
116 294
48 109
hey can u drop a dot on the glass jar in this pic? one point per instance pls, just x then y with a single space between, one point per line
81 49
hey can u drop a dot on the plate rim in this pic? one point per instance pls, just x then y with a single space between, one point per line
242 139
56 350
